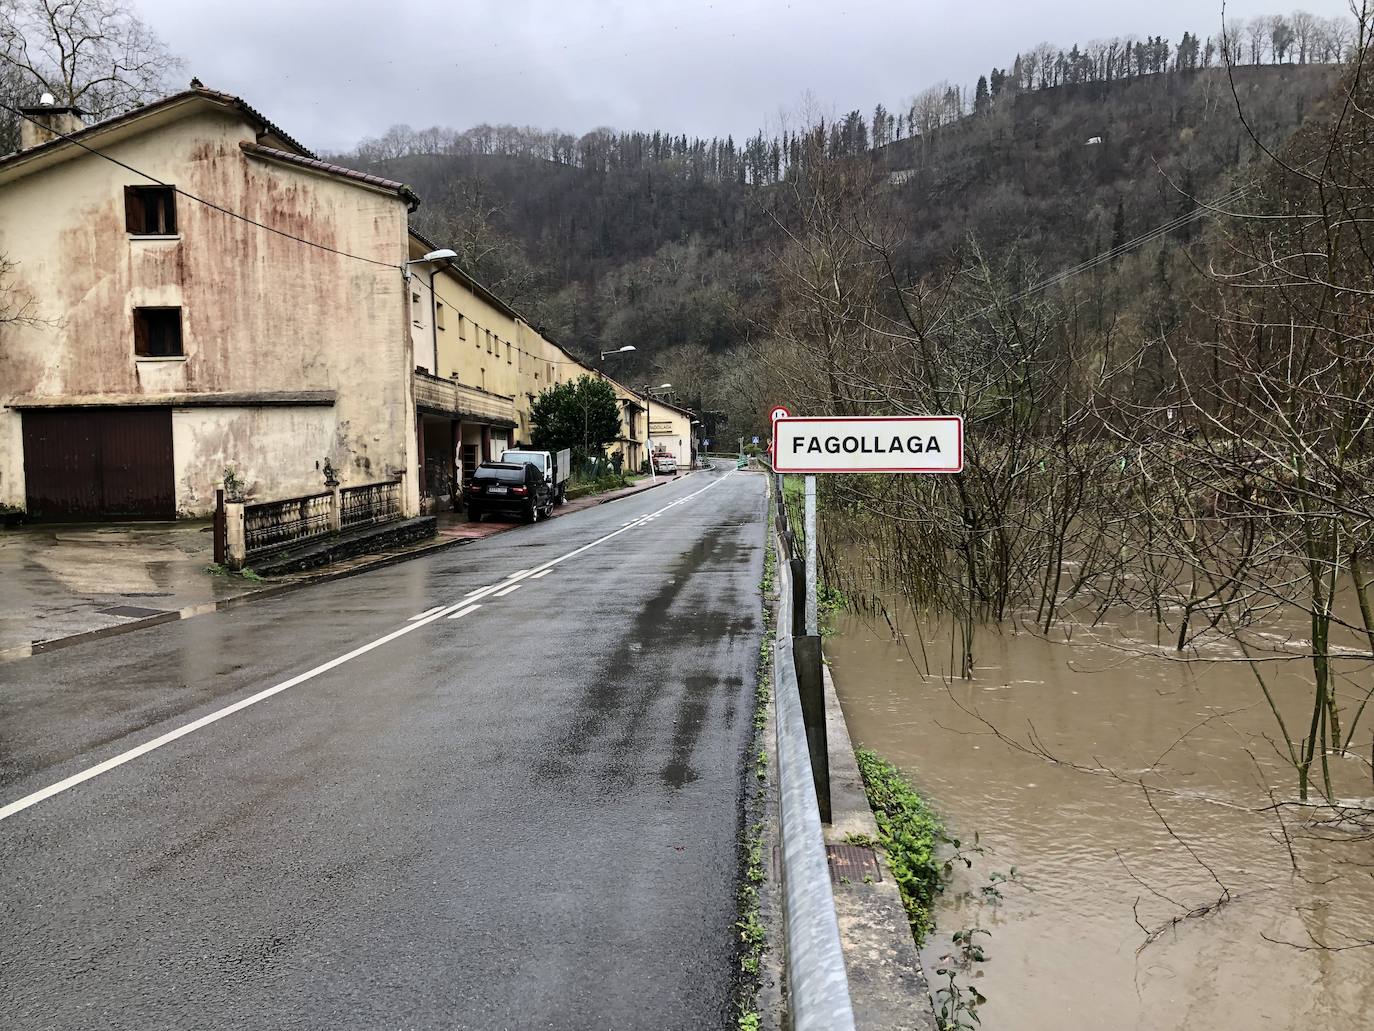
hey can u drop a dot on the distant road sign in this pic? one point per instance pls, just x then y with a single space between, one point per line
756 440
874 444
779 412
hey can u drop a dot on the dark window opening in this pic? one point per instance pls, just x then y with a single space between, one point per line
150 210
157 332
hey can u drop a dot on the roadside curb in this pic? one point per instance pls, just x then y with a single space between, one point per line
272 589
887 979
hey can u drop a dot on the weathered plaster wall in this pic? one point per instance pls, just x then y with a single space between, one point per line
206 441
261 312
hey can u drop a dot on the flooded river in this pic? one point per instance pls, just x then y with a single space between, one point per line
1065 949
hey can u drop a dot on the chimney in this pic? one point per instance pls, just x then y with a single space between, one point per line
47 121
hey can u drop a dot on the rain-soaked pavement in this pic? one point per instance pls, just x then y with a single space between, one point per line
60 580
524 816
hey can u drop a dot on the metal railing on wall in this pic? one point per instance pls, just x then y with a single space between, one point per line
818 981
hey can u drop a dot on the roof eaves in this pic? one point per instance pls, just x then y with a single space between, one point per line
328 168
263 125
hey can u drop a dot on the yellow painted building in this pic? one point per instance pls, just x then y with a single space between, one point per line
672 430
479 367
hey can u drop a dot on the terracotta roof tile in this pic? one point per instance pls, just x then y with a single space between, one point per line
328 168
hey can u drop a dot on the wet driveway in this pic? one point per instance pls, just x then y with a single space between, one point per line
498 787
60 580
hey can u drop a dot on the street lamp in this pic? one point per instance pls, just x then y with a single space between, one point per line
432 259
618 350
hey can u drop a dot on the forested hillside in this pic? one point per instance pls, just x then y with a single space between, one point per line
669 244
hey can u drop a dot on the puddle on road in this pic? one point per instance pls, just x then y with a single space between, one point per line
1065 954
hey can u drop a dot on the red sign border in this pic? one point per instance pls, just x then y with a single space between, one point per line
959 419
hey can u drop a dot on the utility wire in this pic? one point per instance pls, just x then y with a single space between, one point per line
1063 275
536 357
199 200
260 225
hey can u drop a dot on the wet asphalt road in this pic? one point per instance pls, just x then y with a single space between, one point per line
524 817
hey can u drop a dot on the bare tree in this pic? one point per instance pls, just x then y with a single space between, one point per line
93 54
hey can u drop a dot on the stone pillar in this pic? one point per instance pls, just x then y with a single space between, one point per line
454 465
235 542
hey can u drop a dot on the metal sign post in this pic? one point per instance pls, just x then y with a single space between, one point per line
812 615
875 444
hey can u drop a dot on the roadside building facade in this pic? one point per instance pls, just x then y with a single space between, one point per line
201 295
169 340
673 431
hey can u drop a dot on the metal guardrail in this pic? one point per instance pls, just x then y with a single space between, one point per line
819 984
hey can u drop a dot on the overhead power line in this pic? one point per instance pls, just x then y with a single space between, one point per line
198 200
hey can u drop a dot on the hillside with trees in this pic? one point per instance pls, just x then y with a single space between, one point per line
666 242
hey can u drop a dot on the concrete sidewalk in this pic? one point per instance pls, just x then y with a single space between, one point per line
63 581
60 580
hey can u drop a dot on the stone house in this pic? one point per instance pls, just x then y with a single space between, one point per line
203 293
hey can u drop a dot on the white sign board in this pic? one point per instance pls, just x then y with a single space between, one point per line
875 444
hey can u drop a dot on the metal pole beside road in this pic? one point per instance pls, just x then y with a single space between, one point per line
812 619
806 653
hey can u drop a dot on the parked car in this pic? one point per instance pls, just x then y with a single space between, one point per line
665 464
510 489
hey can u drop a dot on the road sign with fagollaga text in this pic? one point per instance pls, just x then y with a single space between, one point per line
868 444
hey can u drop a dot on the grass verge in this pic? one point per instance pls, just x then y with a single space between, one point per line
911 835
752 934
586 488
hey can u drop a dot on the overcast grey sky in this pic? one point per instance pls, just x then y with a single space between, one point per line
333 72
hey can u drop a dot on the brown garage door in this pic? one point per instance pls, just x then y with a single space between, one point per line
99 463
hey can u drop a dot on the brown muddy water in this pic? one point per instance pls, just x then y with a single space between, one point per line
1065 949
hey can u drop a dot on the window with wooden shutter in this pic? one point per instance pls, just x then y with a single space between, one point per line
157 332
150 210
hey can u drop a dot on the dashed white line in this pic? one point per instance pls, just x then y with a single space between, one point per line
508 590
540 576
462 608
427 612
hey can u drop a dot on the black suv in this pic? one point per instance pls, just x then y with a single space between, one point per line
510 489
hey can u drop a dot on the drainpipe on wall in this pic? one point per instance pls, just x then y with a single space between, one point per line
434 315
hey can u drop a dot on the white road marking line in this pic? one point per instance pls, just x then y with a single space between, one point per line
463 612
502 594
517 573
19 805
91 772
479 590
538 576
427 612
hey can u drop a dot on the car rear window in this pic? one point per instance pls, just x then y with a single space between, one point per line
534 458
500 473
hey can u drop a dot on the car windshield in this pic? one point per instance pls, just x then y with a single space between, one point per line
500 473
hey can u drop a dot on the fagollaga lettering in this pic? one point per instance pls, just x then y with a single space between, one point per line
873 444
